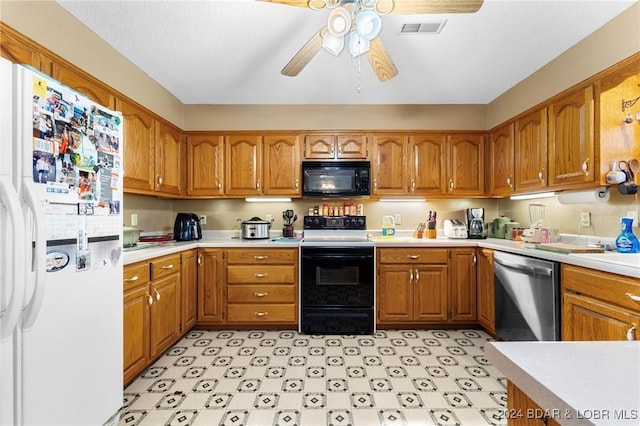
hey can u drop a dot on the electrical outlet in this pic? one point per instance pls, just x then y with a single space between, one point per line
585 219
268 218
203 219
134 219
398 218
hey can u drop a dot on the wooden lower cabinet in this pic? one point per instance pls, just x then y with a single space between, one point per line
151 314
598 305
485 293
463 283
189 289
136 320
210 285
412 285
523 411
262 286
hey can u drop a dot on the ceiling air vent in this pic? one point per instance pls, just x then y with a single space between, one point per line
422 28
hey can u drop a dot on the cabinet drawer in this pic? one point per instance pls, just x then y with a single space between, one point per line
163 266
279 274
135 275
257 313
612 288
260 256
412 255
261 294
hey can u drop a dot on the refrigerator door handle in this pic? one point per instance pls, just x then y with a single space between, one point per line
11 314
32 309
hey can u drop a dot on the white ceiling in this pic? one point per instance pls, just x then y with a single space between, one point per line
231 52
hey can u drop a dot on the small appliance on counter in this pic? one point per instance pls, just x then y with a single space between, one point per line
454 228
537 233
255 229
502 227
187 227
475 223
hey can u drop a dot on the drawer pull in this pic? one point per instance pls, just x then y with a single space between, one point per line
157 294
260 275
261 294
149 299
413 256
170 266
633 297
630 334
132 279
262 314
260 257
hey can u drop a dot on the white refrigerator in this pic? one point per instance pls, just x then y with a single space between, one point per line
61 261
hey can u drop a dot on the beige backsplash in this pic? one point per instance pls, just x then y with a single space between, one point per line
155 214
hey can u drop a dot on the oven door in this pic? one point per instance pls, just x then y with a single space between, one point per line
335 277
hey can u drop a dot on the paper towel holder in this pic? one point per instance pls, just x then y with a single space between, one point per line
599 194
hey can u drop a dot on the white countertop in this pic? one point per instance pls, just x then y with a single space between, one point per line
579 383
617 263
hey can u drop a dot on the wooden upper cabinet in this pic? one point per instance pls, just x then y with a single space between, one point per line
139 147
281 165
84 83
243 161
390 165
331 146
501 161
20 50
466 164
205 160
351 147
571 139
531 151
169 158
618 140
428 163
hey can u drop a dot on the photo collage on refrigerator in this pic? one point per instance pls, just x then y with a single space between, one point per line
76 148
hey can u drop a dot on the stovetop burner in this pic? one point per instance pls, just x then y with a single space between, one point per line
335 230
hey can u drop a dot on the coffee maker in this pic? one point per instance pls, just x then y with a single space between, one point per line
475 223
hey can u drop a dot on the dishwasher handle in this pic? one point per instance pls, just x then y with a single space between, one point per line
532 270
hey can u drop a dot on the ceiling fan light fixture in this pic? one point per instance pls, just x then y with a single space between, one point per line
339 22
368 24
333 44
358 44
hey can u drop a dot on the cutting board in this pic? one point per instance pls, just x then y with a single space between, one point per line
569 248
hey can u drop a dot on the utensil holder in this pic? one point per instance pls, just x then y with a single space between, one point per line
431 233
287 231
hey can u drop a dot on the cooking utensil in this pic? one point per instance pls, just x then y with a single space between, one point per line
634 165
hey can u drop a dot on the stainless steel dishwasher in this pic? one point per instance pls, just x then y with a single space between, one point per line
527 297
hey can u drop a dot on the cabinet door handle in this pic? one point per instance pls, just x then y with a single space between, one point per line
136 278
297 184
541 175
509 182
339 149
451 185
261 314
413 256
417 275
375 183
157 294
261 294
149 299
260 275
411 275
260 257
169 266
475 260
219 185
413 185
258 185
159 180
333 150
585 167
199 260
630 332
633 297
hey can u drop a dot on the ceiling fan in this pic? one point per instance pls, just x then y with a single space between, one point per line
357 23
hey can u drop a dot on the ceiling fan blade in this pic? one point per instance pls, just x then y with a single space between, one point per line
304 55
380 61
298 3
418 7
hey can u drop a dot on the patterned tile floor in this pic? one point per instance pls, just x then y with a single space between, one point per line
395 377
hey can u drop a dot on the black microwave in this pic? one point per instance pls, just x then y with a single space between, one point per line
336 178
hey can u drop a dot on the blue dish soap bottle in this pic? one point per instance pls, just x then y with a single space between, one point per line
626 241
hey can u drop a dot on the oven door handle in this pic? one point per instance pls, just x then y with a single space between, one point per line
531 270
336 256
